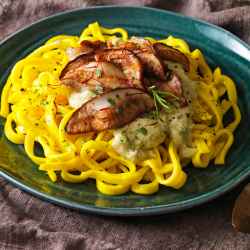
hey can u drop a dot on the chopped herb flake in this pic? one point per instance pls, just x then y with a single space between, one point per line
43 102
98 73
138 46
116 63
94 92
30 101
138 143
59 113
99 89
126 139
127 104
88 151
66 145
105 40
39 72
182 129
116 87
107 145
71 149
142 130
124 71
117 111
150 116
111 161
35 91
111 101
84 140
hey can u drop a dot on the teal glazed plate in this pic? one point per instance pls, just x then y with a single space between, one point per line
220 49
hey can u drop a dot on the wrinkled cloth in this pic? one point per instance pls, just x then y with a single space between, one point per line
27 222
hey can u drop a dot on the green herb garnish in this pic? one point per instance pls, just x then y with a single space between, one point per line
84 140
43 102
182 129
111 101
66 145
71 149
142 130
116 87
99 89
127 104
98 73
30 101
117 111
59 113
138 143
94 92
150 116
158 99
126 139
138 46
116 63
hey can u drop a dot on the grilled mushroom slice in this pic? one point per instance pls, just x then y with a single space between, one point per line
80 60
79 56
166 52
128 62
144 50
87 76
113 109
85 48
172 85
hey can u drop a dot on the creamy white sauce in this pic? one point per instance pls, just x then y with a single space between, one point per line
76 100
174 123
117 41
133 144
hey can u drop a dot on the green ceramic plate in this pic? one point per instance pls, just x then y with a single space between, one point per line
219 47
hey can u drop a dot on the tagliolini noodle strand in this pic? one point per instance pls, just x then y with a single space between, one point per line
40 111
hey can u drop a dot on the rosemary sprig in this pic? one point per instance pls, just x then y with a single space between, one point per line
158 98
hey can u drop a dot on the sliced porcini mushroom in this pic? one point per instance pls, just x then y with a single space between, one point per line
85 48
166 52
113 109
79 56
144 50
80 60
241 212
143 44
128 62
172 85
88 75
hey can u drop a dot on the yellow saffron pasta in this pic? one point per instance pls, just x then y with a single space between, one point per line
40 111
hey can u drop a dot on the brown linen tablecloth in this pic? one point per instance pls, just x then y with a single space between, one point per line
27 222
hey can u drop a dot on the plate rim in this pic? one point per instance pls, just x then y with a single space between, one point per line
168 208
